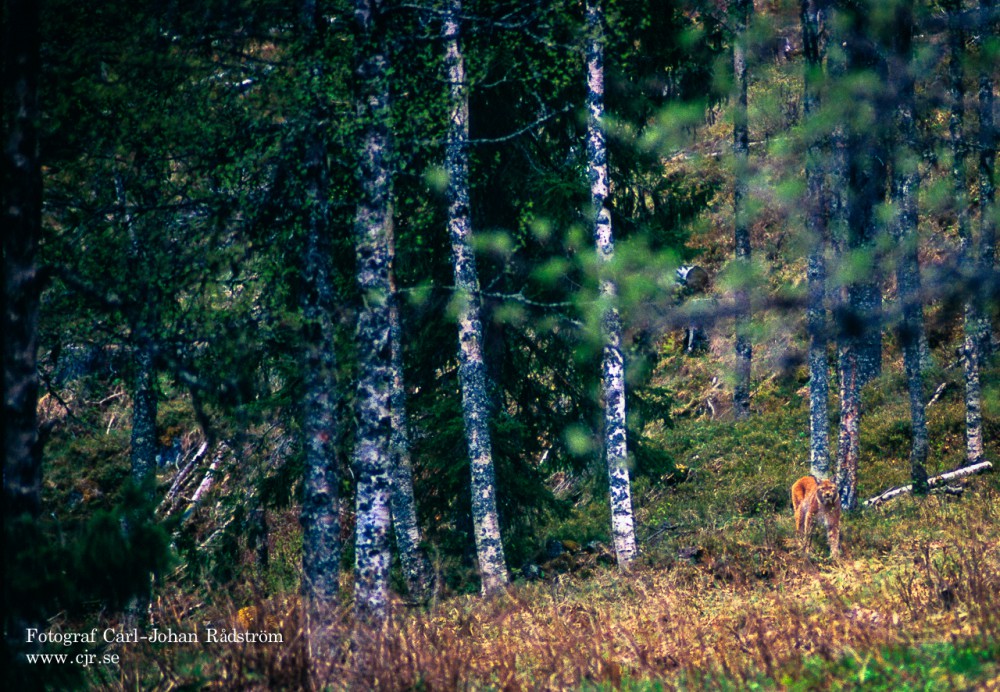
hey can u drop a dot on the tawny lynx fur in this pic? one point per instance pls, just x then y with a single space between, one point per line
811 498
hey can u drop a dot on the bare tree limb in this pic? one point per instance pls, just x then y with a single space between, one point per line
520 131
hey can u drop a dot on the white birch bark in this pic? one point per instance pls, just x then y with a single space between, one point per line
472 369
987 185
905 191
406 528
320 514
967 260
813 17
741 231
371 452
612 366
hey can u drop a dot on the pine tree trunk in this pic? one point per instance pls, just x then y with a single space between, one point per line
144 402
143 442
416 567
22 211
613 366
144 405
471 369
371 452
819 381
967 260
905 188
741 152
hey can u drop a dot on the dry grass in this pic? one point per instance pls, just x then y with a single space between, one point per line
682 625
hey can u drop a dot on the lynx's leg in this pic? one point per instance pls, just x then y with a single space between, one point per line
806 525
833 536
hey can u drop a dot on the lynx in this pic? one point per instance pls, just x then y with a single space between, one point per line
811 498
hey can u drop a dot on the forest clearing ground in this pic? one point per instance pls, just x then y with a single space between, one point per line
720 598
914 603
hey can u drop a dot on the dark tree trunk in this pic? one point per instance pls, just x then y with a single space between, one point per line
967 260
21 196
144 323
143 442
905 188
320 517
22 210
371 453
416 567
471 369
144 399
812 16
741 234
144 406
613 365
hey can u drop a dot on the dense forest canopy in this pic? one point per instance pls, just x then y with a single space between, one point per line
374 302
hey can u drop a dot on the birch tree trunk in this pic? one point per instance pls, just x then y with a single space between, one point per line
22 221
860 169
416 568
987 184
471 366
320 492
320 518
849 443
812 17
967 259
613 366
371 452
866 176
741 231
905 189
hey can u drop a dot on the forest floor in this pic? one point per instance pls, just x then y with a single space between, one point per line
721 597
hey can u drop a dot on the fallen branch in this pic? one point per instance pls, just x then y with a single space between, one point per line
937 394
181 478
206 482
663 529
931 482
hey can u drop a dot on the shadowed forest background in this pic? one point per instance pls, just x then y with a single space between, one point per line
473 344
